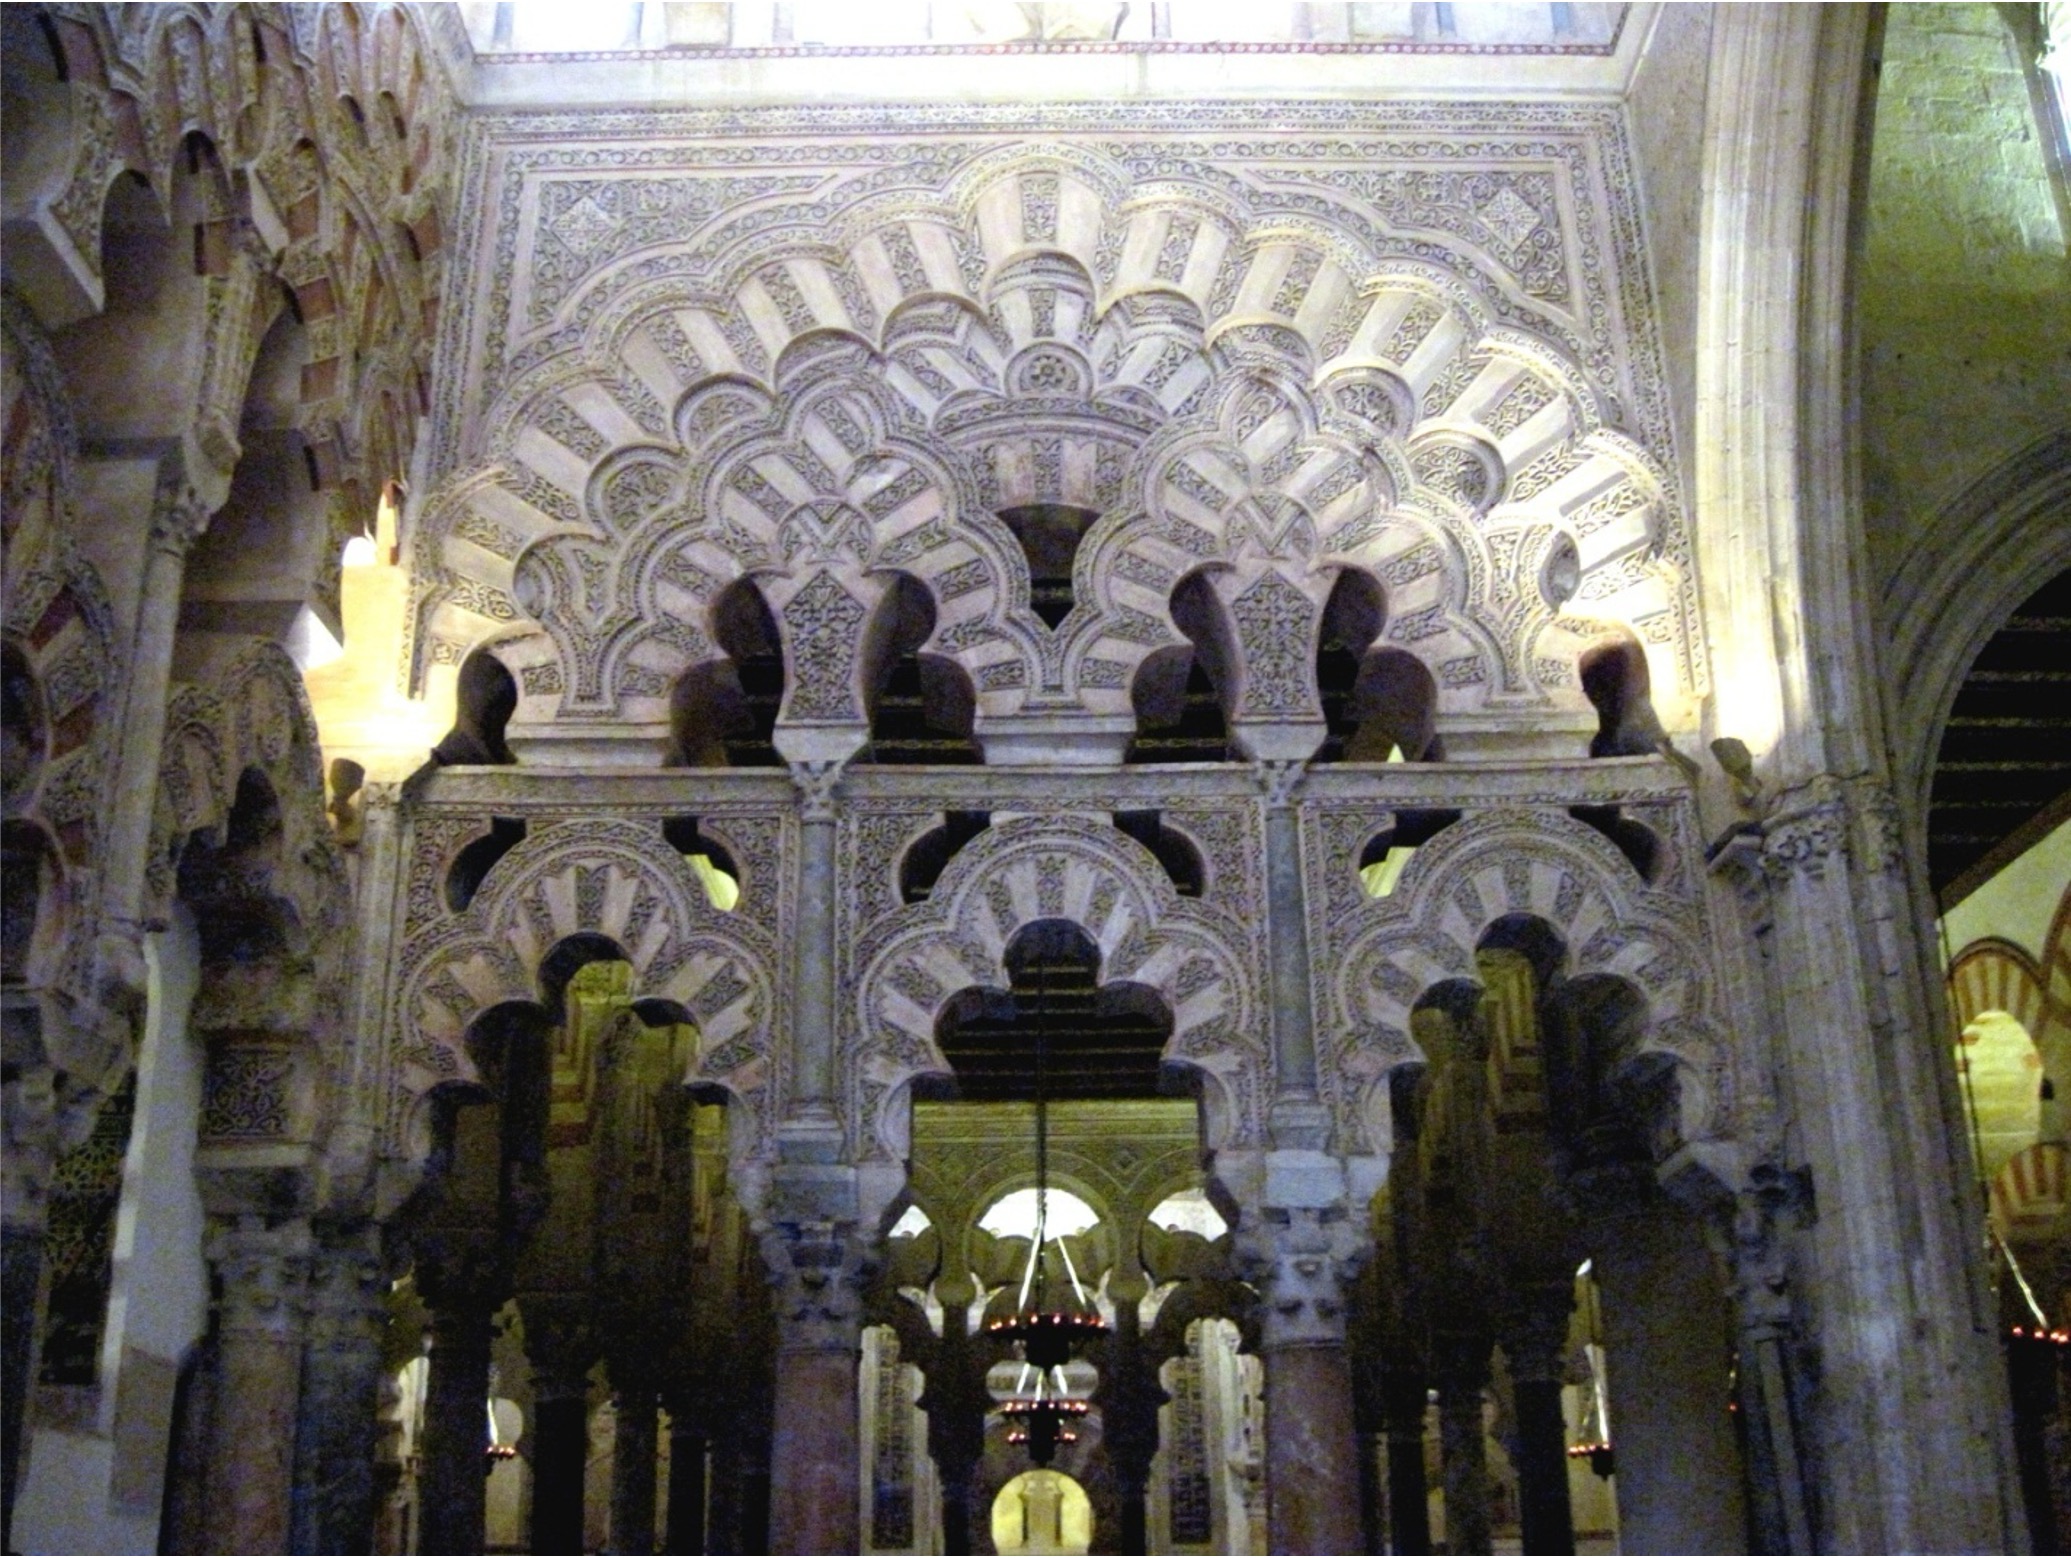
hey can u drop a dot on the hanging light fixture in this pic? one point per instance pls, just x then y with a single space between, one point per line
1049 1335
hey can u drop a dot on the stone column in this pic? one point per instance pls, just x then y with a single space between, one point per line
1129 1402
1462 1367
953 1395
1301 1260
559 1347
337 1429
262 1274
816 1443
1665 1345
1535 1341
1770 1388
180 515
1298 1117
453 1466
813 1078
633 1471
1403 1399
1911 1393
686 1512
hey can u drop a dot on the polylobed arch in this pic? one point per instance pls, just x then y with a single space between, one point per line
1558 874
1029 869
1570 506
569 890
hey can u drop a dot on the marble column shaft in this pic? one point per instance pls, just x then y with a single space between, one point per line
260 1329
1409 1515
1535 1346
814 1484
815 949
686 1508
633 1473
336 1493
1463 1374
452 1477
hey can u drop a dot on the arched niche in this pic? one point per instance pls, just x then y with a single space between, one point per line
1093 875
486 695
921 704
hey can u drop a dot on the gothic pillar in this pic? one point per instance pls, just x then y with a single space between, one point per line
453 1472
261 1275
1301 1259
559 1348
1403 1399
337 1431
1535 1342
1462 1369
816 1443
1665 1346
633 1472
1909 1395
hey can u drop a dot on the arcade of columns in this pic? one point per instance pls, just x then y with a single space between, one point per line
825 529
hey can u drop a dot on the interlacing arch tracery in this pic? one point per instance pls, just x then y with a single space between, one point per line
1195 956
592 877
1229 384
1541 864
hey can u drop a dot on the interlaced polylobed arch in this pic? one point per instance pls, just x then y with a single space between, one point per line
1566 877
1029 869
620 882
1226 382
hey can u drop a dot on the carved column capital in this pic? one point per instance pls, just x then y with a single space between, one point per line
817 1271
1303 1261
817 784
1775 1201
1278 780
1831 820
348 1291
263 1276
560 1342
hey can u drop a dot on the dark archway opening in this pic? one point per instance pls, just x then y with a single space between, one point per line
1049 534
922 706
1181 712
1102 1041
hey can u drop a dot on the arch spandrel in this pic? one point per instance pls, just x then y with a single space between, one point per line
1025 869
1390 952
592 877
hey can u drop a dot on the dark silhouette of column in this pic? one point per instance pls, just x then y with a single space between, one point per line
1403 1400
337 1493
1462 1368
685 1531
1535 1341
633 1473
557 1344
452 1471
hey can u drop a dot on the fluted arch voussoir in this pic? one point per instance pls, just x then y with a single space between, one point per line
612 879
1545 865
1055 868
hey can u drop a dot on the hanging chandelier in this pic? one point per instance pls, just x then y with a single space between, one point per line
1049 1335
